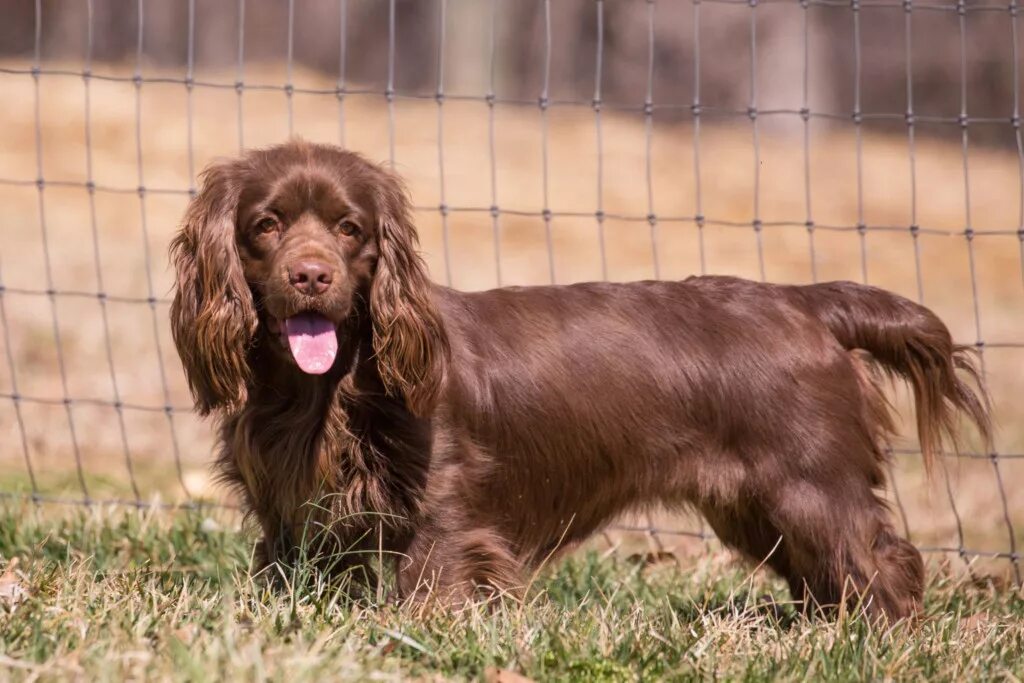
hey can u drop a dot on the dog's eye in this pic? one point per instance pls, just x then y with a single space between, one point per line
348 228
266 225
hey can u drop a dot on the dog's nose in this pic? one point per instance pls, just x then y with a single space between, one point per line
310 277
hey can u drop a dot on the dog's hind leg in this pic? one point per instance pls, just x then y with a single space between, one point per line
831 547
817 520
842 548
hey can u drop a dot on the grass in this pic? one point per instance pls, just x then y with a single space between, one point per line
115 594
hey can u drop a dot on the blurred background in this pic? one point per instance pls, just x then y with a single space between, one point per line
559 141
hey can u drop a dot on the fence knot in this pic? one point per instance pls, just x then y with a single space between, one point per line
490 99
595 104
969 233
696 109
962 120
757 224
910 119
652 219
809 224
699 220
915 229
648 108
858 117
752 113
599 215
289 89
443 208
805 113
543 102
495 211
239 86
439 97
546 215
1015 121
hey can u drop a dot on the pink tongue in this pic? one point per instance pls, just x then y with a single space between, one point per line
313 341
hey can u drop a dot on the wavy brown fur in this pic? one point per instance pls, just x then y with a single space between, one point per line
909 341
474 435
212 314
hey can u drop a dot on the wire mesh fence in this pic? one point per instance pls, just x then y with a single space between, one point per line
552 187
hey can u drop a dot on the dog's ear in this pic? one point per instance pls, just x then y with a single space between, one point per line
213 318
409 338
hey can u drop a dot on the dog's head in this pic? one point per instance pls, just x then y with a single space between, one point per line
292 244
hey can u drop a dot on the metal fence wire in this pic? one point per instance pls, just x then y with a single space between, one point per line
32 432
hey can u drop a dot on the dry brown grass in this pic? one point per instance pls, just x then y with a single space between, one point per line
728 195
146 595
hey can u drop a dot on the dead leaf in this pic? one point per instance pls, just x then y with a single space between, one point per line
186 634
651 558
13 586
975 622
495 675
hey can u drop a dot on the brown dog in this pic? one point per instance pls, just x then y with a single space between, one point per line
474 434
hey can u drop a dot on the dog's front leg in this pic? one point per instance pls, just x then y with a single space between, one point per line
458 566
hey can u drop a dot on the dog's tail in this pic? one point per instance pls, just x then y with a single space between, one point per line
908 341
